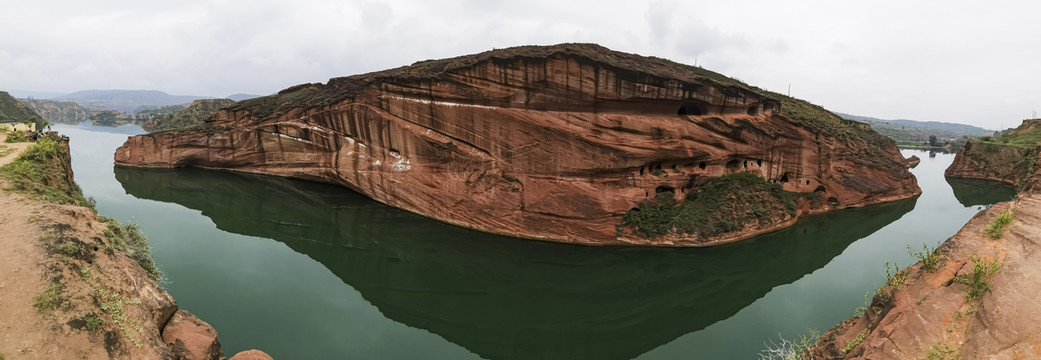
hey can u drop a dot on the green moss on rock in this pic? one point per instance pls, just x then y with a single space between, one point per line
725 204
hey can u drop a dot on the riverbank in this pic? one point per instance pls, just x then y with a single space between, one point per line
71 281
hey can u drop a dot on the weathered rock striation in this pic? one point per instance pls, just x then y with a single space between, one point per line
543 142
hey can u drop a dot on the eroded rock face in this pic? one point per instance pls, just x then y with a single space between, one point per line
553 143
1011 158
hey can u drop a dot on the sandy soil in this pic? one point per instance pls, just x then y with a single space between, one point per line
26 333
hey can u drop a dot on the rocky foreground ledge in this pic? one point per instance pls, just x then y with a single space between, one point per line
976 296
554 143
74 285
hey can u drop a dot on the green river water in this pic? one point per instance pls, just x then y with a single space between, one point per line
312 271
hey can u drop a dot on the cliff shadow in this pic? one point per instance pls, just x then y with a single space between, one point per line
505 298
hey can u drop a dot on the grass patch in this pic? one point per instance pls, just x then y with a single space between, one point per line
979 280
928 257
130 240
50 298
724 204
112 303
42 172
16 137
894 280
997 225
941 351
856 341
93 322
4 150
790 350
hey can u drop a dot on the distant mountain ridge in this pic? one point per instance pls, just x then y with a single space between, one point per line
127 101
918 131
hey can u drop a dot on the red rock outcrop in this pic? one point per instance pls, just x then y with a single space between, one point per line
927 314
543 142
1011 158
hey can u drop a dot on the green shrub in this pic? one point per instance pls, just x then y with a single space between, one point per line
50 298
979 280
129 239
788 349
16 137
42 172
856 341
928 257
724 204
93 322
941 351
997 225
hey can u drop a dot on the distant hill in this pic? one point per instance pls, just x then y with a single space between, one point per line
58 112
30 94
127 101
240 97
919 131
12 110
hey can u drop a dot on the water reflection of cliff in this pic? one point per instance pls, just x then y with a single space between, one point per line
973 192
505 298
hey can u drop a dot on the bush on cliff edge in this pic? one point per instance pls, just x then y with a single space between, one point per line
724 204
41 172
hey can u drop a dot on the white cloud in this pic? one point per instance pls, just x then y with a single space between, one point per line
931 60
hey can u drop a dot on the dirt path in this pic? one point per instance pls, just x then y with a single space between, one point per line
24 333
21 272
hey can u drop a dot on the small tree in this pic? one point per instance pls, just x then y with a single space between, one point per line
933 141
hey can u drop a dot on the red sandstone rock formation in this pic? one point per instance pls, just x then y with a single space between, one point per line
928 314
553 143
1012 158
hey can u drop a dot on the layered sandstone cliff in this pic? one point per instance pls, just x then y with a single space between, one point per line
1010 157
544 142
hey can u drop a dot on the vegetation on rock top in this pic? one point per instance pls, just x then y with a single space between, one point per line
306 96
42 172
12 110
725 204
191 118
1010 155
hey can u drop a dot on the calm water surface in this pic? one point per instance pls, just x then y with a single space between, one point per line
311 271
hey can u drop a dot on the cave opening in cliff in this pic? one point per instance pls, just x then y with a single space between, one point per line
664 188
758 163
753 111
784 179
702 165
819 189
733 165
692 109
833 201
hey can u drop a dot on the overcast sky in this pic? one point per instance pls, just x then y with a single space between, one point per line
958 61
